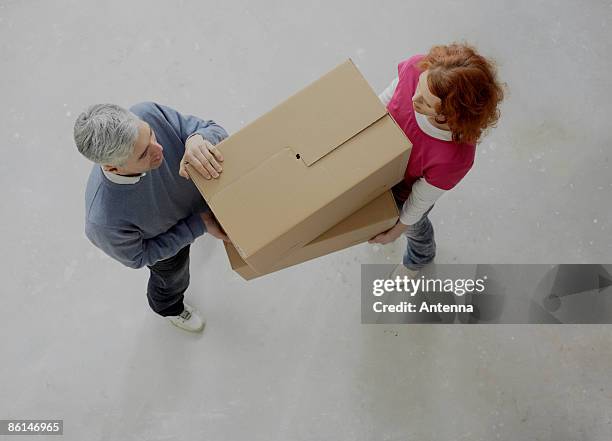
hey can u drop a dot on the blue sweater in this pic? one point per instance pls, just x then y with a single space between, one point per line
139 224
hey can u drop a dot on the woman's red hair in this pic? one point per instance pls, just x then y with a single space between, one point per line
467 86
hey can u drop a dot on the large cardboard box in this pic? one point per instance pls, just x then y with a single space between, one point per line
376 217
305 166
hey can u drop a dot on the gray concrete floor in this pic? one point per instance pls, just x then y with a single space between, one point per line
285 357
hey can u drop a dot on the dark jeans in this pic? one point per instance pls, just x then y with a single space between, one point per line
167 284
421 247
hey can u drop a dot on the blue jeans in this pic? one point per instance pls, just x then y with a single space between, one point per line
421 247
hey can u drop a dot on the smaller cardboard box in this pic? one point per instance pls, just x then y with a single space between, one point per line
304 166
376 217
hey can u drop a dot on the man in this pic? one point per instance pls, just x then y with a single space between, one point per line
141 208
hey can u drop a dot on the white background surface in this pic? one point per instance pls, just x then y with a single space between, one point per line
285 357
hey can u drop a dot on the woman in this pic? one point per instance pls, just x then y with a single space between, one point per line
443 101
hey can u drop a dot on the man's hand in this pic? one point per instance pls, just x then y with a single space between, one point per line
390 235
213 227
203 156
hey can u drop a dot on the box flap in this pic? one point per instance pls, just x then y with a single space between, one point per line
301 124
350 107
279 206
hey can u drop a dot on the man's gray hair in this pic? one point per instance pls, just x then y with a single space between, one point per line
106 133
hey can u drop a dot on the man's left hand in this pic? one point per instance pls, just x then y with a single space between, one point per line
212 226
203 156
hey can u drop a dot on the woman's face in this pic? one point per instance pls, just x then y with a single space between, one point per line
424 101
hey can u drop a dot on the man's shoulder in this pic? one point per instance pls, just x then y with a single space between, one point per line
161 117
106 205
154 109
94 183
145 108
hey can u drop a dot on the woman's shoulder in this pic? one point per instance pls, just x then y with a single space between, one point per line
449 164
410 63
449 154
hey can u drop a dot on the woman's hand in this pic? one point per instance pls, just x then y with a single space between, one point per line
203 156
390 235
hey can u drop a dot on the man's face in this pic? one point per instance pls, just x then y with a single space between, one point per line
147 154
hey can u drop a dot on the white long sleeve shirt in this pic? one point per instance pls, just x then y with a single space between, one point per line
423 194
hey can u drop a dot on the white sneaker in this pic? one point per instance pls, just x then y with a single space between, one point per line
402 271
189 319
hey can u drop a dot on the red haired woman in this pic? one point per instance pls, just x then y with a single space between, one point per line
443 101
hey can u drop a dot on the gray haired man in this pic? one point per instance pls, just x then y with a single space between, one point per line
140 207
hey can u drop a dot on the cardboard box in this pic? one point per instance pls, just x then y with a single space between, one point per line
305 166
376 217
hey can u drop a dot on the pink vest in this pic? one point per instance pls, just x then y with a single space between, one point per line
442 163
